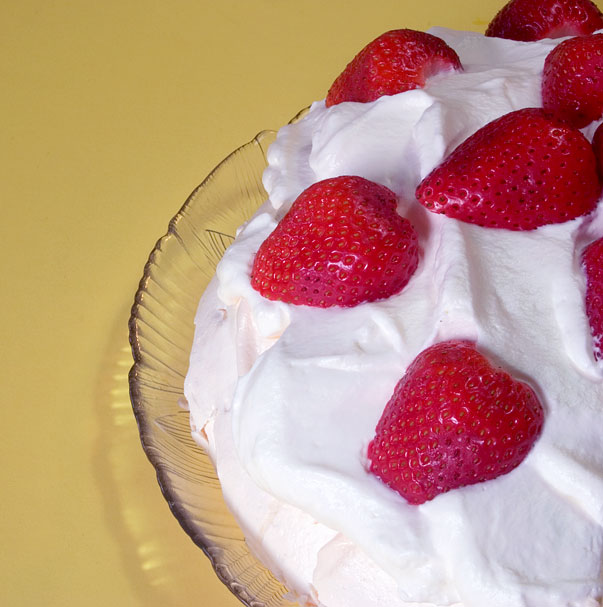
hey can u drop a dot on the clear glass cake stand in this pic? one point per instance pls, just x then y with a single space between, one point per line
161 333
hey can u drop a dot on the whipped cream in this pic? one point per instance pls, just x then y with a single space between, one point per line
286 398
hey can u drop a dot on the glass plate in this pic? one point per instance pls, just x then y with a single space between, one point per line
161 334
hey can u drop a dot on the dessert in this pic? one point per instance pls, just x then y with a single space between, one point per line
286 398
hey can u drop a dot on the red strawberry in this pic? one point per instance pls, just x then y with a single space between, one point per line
592 263
521 171
341 243
397 61
572 81
598 148
454 420
529 20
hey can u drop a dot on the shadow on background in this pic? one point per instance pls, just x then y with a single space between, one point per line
162 563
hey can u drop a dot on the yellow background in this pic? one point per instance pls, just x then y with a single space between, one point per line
111 112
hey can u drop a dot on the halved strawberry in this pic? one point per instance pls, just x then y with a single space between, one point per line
454 420
572 80
592 263
341 243
397 61
521 171
529 20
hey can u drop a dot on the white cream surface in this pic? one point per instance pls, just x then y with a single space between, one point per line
286 398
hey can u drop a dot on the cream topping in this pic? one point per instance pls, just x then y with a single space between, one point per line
291 416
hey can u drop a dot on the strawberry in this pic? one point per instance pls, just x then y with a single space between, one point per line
529 20
397 61
598 148
341 243
521 171
572 80
592 264
454 420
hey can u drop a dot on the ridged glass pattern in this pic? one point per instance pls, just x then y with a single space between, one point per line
161 334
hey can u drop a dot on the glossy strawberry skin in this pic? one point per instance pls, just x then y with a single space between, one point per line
341 243
572 80
397 61
454 420
598 149
521 171
529 20
592 264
